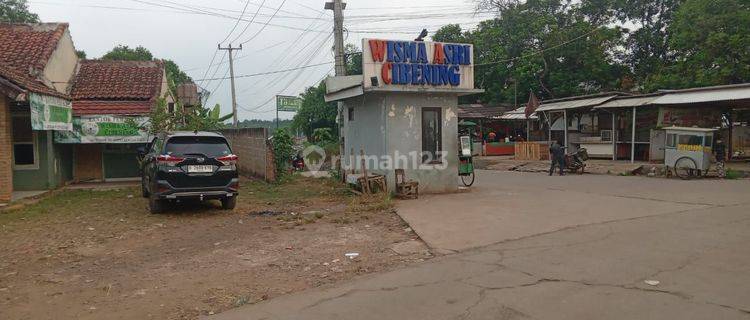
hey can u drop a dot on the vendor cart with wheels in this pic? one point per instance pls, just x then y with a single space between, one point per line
687 151
465 152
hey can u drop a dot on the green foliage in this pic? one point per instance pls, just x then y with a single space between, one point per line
711 42
198 118
549 47
174 73
270 124
17 11
322 135
81 54
175 76
123 52
353 59
314 112
282 152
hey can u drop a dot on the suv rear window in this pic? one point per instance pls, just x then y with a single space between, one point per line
208 146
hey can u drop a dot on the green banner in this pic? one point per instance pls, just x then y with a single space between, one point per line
106 129
50 113
288 103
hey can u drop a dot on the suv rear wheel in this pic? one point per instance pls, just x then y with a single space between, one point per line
228 203
155 205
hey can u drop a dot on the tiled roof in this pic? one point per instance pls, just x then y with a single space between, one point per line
116 87
25 50
118 80
95 107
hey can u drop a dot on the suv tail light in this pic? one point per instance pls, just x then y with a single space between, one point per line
168 160
228 160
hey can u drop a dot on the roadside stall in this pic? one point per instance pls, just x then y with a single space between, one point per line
688 151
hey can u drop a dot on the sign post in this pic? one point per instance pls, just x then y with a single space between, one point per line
288 104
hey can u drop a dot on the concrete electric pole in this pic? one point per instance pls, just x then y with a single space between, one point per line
231 75
338 35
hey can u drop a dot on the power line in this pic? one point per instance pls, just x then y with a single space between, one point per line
251 21
247 2
266 24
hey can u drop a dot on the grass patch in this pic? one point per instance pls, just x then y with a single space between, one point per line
370 203
71 202
733 174
292 189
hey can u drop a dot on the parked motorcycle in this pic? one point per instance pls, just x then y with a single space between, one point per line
576 162
298 163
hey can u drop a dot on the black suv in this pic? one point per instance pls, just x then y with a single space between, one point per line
189 165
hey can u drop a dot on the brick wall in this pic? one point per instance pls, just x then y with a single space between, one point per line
253 149
6 172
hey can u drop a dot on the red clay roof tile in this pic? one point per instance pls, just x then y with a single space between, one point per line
118 80
25 50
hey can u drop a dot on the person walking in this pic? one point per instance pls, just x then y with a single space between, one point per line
557 155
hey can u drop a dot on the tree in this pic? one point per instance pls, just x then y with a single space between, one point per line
81 54
353 59
175 76
550 47
648 44
710 40
450 33
315 112
17 11
123 52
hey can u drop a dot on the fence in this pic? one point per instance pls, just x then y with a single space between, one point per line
532 151
254 150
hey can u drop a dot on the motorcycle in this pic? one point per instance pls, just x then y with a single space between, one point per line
576 161
298 163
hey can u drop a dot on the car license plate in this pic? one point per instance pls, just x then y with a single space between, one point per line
200 168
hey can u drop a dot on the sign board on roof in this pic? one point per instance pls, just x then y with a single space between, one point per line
409 65
106 129
288 103
50 113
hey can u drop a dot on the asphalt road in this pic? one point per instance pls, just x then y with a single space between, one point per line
576 247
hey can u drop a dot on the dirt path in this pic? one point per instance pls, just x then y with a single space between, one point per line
100 255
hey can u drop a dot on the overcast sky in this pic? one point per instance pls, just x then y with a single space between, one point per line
188 31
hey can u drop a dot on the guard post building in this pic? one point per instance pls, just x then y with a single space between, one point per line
402 112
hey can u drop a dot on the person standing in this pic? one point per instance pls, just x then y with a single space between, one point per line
557 155
720 150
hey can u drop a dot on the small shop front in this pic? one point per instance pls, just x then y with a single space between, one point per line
37 163
105 146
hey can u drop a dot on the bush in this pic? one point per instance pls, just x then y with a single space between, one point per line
282 152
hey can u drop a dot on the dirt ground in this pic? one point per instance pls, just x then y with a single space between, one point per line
84 254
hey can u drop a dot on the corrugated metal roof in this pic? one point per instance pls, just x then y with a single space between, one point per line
625 102
572 104
517 114
708 94
480 111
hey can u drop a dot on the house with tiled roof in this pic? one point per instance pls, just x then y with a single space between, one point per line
37 65
63 119
111 102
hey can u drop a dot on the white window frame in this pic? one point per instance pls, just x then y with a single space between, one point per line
35 147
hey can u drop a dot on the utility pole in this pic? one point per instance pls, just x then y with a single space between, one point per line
338 35
231 74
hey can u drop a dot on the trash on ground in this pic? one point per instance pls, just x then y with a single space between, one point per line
652 282
352 255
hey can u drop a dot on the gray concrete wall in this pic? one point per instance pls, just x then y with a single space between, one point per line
404 135
391 124
254 152
367 130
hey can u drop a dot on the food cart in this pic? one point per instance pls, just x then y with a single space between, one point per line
688 151
465 152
